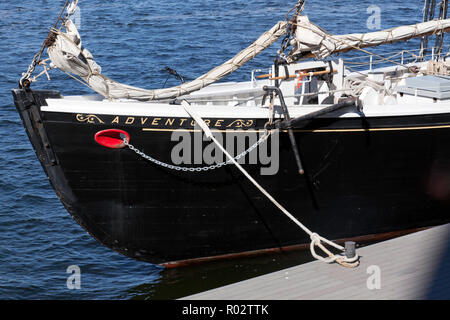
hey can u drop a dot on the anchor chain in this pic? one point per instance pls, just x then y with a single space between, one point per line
197 169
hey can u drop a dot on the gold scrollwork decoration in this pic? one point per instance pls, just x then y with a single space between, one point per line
90 118
241 123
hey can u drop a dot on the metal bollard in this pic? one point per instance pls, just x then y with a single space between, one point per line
350 249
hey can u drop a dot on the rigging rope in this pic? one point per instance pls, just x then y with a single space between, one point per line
25 81
428 14
440 37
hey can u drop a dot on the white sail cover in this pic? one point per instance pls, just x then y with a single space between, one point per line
309 38
68 55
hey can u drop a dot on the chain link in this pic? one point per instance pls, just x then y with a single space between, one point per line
36 60
38 56
290 28
197 169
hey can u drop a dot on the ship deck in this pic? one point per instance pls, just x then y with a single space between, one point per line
416 266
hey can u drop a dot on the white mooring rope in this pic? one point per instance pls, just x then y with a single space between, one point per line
316 240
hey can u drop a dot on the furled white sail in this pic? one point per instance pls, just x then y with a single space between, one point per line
68 55
309 38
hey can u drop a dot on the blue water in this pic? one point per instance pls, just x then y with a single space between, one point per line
133 41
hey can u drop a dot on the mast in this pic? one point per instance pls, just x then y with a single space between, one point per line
429 11
443 9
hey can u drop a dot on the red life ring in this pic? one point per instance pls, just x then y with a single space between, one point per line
112 138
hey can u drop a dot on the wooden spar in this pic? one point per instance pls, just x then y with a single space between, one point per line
264 76
292 76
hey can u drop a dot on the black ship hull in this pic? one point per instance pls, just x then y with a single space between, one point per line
364 176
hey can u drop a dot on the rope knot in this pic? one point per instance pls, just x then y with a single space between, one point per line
315 238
